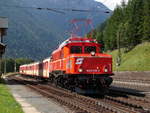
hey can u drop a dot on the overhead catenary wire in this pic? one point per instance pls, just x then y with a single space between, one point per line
58 10
38 8
85 10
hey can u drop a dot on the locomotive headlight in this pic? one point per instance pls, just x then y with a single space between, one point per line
92 53
105 70
80 70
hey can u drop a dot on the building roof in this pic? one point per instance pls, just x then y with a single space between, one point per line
2 44
3 22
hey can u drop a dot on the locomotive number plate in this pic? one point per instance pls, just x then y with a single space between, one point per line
93 70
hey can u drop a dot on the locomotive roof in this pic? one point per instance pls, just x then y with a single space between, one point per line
46 59
77 40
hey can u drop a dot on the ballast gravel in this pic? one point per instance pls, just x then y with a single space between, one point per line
32 102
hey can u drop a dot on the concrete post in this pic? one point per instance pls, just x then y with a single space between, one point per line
3 29
0 56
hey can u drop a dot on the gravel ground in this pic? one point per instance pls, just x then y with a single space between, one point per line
141 79
133 75
32 102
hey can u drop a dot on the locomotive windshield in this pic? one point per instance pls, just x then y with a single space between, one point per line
89 49
76 49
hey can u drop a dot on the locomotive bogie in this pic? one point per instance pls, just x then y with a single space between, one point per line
84 84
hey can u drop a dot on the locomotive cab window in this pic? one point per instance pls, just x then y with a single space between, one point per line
89 49
76 49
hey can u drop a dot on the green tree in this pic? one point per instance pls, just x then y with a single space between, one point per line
146 23
8 64
135 18
131 20
110 31
21 61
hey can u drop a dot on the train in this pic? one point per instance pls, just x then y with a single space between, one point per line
78 64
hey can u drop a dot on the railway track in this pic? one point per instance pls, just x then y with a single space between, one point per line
144 83
138 104
133 76
135 86
80 103
132 87
135 99
141 79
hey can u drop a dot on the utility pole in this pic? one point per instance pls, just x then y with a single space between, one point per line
5 65
1 52
3 29
119 35
119 51
15 66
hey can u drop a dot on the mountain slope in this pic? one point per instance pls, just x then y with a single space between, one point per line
35 33
135 60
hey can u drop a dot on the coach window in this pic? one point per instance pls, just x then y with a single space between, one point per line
89 49
76 49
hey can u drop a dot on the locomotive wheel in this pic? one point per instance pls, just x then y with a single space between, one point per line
59 81
51 78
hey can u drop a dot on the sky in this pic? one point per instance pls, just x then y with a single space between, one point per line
111 4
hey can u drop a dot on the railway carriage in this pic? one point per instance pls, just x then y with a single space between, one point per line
30 69
22 69
35 69
45 68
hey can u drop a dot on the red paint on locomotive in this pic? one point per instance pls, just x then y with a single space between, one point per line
74 57
77 63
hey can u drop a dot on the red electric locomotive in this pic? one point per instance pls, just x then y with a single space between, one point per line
78 64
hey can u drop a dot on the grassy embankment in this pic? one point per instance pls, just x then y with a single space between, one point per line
138 59
7 102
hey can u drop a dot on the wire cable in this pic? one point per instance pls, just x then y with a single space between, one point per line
38 8
58 10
